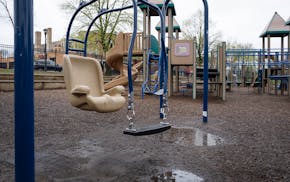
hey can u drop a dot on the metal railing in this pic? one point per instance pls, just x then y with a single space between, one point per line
6 56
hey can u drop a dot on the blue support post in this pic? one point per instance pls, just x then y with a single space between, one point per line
23 96
205 65
131 47
162 64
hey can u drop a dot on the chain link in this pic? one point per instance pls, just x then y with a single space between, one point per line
131 110
165 107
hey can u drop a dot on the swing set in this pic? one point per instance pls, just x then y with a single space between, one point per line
85 92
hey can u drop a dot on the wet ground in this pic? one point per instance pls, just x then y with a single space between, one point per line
247 138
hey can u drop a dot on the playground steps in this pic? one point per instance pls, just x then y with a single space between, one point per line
45 81
41 81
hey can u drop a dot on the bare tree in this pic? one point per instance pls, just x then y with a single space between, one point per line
233 44
106 26
194 27
239 47
8 13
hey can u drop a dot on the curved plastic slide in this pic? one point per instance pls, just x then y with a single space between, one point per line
115 60
122 79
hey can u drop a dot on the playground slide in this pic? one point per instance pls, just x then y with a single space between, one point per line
115 60
122 79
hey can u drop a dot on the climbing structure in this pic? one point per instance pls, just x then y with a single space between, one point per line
277 27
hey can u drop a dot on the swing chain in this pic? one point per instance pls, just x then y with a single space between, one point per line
131 111
165 107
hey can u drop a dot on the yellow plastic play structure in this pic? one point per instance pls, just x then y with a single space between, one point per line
84 77
85 85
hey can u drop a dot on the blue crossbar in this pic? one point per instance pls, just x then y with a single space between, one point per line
279 77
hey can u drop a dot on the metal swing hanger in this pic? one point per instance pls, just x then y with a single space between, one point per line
162 126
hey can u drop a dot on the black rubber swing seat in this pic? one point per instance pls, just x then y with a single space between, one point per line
148 130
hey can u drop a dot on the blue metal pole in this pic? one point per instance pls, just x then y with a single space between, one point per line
162 74
93 22
131 47
162 64
205 64
23 96
82 5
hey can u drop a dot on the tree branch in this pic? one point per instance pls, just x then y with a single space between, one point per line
4 4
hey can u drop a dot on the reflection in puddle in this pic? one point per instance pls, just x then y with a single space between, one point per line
177 176
206 139
191 136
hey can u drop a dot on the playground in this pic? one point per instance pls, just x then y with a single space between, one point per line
246 139
171 111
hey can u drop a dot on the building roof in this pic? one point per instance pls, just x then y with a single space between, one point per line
159 3
175 25
276 27
288 21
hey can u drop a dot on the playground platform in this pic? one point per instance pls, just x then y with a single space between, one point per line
246 139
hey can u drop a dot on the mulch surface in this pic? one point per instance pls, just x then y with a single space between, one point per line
246 138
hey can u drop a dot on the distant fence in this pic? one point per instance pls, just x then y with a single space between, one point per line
6 56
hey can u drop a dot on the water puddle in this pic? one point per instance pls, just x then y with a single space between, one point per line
84 149
177 176
192 136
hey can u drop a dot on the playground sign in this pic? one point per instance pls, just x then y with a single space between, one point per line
182 52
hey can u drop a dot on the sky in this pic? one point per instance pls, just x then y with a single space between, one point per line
238 20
